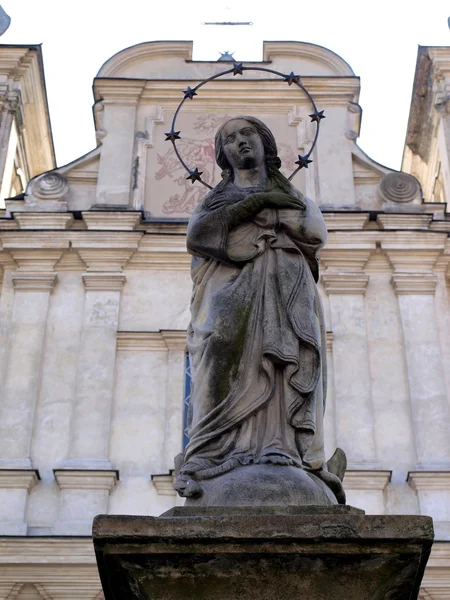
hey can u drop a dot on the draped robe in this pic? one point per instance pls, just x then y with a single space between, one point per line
256 338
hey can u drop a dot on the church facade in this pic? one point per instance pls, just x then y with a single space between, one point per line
94 301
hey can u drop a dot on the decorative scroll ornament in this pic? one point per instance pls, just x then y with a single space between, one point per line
50 186
238 69
399 187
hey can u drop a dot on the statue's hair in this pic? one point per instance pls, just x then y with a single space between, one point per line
271 159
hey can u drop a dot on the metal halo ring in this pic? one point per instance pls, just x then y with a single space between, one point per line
238 69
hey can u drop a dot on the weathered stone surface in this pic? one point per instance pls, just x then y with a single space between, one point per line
332 552
264 485
256 339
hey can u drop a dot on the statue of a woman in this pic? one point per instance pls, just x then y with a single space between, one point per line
257 338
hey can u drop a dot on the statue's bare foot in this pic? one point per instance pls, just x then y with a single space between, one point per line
276 459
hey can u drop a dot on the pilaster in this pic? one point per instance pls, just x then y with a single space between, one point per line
89 444
84 494
22 373
433 493
415 285
176 345
345 283
366 490
15 486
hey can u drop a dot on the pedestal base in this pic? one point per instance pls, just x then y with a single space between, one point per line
315 553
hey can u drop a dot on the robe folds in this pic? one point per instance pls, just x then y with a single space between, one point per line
256 338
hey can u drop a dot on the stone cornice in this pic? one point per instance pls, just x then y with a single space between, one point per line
161 252
429 480
84 479
339 221
105 259
367 480
33 281
28 240
164 484
111 221
145 341
104 282
36 259
7 261
269 93
413 261
19 478
105 239
345 282
404 221
329 341
174 339
414 283
119 91
53 550
344 259
140 341
43 220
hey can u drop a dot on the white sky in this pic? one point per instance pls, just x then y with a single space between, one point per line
378 39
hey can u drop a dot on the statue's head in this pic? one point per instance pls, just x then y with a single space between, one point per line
245 143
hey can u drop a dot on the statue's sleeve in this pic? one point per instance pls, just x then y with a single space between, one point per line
307 230
207 234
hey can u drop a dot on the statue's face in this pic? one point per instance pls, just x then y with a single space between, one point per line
242 144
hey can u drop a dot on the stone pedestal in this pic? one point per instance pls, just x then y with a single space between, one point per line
260 552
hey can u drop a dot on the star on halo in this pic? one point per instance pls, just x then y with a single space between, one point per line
195 175
238 68
189 93
292 78
317 116
172 136
302 161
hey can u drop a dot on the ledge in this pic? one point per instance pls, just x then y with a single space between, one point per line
104 282
429 480
19 478
102 220
366 480
85 479
43 220
345 283
33 282
164 484
414 283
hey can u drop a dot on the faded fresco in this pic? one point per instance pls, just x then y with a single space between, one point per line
197 150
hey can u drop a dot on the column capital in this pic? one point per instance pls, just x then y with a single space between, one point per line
140 341
103 260
345 282
429 480
104 282
343 260
367 480
414 283
101 220
33 281
174 339
329 341
19 478
164 484
36 259
86 479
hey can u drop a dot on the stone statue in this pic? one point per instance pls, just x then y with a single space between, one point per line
257 337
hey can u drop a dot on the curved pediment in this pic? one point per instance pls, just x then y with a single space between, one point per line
306 59
173 60
144 61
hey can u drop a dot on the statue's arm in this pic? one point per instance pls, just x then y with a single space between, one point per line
207 232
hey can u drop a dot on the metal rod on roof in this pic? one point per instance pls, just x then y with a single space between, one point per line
228 23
